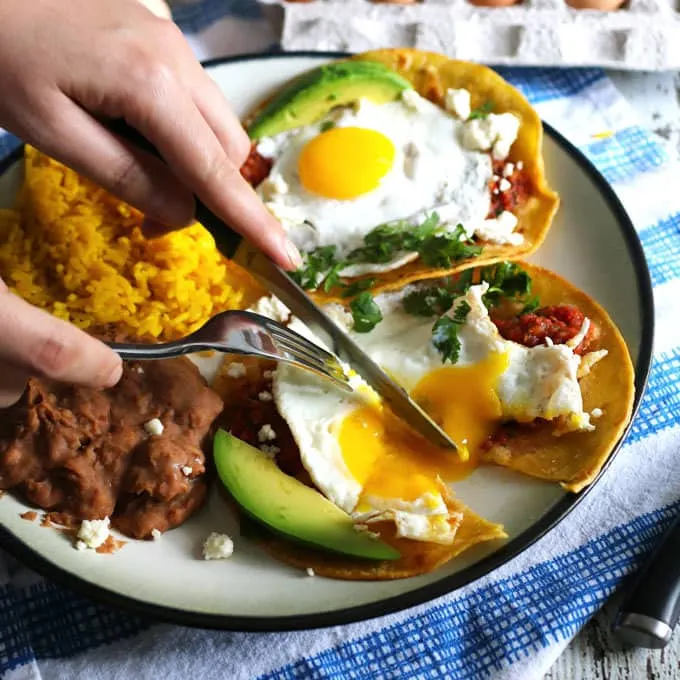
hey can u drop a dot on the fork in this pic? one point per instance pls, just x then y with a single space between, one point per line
248 334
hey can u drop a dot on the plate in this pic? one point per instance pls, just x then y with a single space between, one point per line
592 243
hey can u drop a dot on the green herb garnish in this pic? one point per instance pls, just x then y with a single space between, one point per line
445 333
317 264
531 305
482 112
365 312
437 247
433 301
506 280
441 249
326 126
357 287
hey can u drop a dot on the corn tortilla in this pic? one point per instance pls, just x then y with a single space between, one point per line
575 459
431 75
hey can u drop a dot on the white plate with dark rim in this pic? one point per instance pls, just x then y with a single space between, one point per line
592 243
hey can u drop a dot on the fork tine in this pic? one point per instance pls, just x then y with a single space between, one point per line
294 338
302 345
320 357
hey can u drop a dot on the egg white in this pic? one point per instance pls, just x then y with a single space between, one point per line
432 170
539 382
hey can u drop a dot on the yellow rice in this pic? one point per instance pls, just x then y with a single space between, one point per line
74 250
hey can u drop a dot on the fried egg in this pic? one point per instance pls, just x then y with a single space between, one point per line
370 464
333 182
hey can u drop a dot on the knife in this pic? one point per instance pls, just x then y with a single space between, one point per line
275 279
651 608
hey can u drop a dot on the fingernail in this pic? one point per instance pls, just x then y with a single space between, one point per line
115 375
293 254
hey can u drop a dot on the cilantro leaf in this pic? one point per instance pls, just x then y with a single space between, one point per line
445 333
463 282
531 305
316 264
326 126
506 280
433 301
365 312
358 286
482 112
460 312
333 276
442 249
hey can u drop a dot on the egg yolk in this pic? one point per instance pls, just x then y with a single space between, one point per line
345 162
392 461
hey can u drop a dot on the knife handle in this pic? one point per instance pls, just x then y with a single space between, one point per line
226 240
651 609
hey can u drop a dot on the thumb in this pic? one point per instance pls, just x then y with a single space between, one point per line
38 343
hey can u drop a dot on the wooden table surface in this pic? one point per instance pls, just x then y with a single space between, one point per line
596 654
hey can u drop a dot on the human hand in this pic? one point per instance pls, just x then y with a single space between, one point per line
35 343
64 65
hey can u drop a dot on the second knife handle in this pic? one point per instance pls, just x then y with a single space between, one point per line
651 609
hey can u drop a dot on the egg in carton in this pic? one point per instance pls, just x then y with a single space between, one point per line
639 35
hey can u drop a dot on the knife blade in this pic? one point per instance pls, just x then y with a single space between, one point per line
341 344
301 305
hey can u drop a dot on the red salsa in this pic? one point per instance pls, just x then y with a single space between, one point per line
560 323
520 188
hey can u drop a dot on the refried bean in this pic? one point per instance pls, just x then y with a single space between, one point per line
86 454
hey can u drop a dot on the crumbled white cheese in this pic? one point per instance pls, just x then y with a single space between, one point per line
508 169
236 370
495 178
339 315
496 192
520 165
266 147
580 336
154 426
80 545
268 375
495 132
596 413
139 369
271 307
290 216
266 433
504 185
310 572
272 187
187 470
93 532
155 534
217 547
270 450
500 229
265 396
458 102
413 100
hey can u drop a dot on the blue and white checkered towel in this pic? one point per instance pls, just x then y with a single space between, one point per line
513 623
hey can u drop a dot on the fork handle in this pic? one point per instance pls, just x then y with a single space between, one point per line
166 350
226 240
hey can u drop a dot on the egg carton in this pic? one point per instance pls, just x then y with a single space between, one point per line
641 35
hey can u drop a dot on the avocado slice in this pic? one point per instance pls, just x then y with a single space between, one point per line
310 97
285 505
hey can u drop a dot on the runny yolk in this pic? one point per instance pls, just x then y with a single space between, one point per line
391 461
345 162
